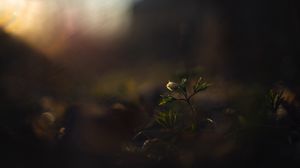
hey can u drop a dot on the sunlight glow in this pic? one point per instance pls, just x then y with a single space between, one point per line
49 24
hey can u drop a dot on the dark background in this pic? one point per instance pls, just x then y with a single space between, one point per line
244 43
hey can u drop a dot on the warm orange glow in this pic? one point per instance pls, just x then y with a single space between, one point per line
49 25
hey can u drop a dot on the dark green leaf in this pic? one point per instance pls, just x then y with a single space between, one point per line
200 85
166 99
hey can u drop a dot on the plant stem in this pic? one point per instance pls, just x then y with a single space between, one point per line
187 99
191 106
193 112
193 94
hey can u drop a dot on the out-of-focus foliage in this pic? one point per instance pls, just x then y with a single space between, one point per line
200 85
166 99
275 99
167 119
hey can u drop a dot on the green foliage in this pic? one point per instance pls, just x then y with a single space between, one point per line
181 91
167 119
183 84
179 124
184 91
174 120
166 99
200 85
274 99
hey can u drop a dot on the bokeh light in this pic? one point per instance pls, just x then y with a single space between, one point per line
49 25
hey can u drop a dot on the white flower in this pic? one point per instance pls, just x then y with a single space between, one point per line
172 86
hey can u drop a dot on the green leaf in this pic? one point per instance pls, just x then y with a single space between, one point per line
183 84
275 99
200 85
166 99
166 119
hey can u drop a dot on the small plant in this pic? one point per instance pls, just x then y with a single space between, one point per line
184 91
175 120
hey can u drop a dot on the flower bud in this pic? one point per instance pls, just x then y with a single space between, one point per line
172 86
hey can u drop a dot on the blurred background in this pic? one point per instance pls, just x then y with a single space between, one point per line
96 68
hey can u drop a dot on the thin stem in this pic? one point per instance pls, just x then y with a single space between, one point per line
193 94
193 112
187 99
180 99
192 107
